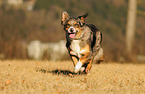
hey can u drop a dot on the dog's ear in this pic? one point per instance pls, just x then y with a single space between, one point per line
65 16
82 19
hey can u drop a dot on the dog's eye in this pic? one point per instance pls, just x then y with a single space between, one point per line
77 25
67 25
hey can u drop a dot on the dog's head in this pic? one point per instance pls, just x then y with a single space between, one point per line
73 26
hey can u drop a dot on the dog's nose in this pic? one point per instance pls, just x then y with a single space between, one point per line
71 30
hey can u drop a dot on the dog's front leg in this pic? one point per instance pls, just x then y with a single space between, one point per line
78 66
74 57
81 62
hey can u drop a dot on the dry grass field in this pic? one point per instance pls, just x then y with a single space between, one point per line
48 77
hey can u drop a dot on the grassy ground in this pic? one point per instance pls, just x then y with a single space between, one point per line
47 77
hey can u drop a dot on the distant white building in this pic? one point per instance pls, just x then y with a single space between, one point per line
55 51
14 2
28 4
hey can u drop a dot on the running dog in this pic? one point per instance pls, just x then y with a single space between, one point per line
83 42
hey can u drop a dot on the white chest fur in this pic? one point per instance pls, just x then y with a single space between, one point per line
75 46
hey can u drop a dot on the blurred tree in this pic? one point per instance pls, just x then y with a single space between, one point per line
43 23
131 24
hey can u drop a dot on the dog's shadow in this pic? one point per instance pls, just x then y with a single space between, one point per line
60 72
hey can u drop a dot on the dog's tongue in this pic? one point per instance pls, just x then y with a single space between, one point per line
72 35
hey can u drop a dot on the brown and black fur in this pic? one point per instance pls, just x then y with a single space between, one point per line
83 42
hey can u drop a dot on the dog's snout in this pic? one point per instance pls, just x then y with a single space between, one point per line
71 30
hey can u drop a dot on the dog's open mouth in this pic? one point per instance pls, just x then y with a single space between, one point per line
72 35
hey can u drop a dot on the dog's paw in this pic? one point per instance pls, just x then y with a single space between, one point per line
87 71
78 67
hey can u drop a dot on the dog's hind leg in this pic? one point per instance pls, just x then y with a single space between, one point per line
99 57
